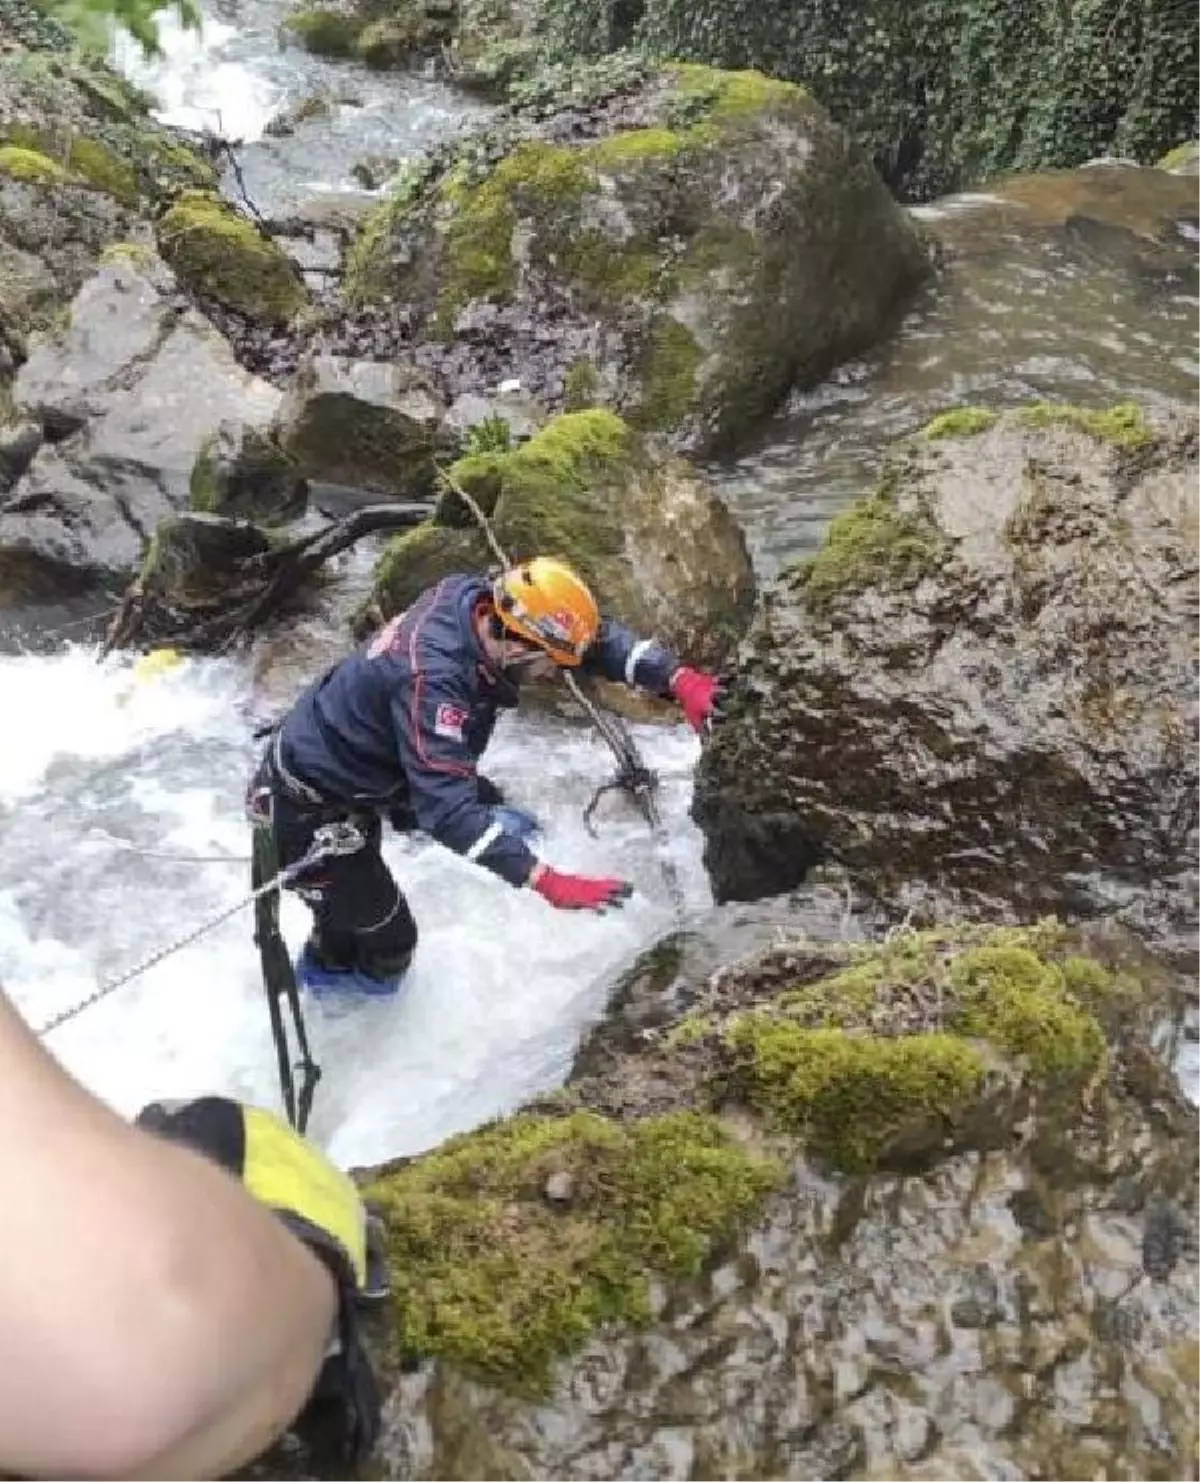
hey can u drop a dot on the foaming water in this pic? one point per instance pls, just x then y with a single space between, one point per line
123 830
240 70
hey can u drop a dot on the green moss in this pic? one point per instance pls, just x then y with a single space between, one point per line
103 168
418 559
581 385
537 179
850 1096
29 166
204 494
715 99
632 145
1022 1005
960 422
854 1059
871 543
1123 425
135 253
222 254
491 1273
667 372
324 31
1179 158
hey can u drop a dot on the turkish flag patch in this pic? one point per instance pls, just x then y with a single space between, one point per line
449 721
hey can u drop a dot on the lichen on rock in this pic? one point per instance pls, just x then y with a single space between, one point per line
221 254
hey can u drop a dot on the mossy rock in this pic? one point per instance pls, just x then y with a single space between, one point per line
709 315
511 1245
222 255
657 546
29 166
326 31
242 472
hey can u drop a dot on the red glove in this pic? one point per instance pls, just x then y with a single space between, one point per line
578 892
696 692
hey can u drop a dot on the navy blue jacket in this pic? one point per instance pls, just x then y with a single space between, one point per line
407 717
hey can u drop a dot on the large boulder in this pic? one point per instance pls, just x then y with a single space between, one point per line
364 424
657 545
129 394
982 688
686 252
708 1254
224 256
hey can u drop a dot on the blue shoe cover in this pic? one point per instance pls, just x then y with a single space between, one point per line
324 982
515 821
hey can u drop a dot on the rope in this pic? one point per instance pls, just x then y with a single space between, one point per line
328 841
632 773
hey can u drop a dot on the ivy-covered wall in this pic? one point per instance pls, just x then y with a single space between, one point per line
944 93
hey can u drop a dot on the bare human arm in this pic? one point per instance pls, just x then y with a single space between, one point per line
158 1321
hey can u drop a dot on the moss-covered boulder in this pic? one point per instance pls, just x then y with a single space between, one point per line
195 561
241 471
706 1247
705 242
223 255
480 43
82 165
363 424
652 538
960 694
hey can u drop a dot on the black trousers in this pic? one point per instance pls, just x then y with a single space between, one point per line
361 919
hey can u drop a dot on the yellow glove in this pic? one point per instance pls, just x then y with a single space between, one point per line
322 1207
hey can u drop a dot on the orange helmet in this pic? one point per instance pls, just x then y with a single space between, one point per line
546 603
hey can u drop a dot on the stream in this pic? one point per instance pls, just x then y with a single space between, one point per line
122 801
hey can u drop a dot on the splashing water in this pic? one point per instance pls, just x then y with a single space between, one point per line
123 829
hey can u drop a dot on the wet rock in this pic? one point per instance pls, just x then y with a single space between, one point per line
364 424
221 254
303 110
242 471
196 558
127 395
650 535
956 699
694 255
811 1334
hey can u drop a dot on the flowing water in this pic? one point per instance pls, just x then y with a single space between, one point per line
122 826
1098 309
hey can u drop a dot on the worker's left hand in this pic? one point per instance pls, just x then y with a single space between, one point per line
696 693
322 1207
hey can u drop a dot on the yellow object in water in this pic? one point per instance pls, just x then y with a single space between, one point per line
156 662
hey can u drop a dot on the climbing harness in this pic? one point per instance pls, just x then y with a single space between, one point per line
632 774
332 839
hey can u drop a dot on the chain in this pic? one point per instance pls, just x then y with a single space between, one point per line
333 839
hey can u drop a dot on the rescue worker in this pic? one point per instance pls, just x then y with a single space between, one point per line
398 727
165 1316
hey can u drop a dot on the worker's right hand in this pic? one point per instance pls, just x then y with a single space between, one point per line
579 892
